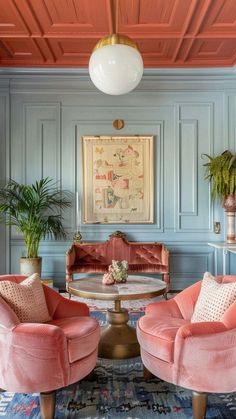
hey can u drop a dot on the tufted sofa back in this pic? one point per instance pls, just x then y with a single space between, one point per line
96 257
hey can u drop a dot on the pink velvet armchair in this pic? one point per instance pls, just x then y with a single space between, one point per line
198 356
42 357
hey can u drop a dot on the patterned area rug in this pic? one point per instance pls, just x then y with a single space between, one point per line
117 390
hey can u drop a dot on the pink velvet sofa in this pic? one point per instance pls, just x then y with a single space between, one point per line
198 356
96 257
43 357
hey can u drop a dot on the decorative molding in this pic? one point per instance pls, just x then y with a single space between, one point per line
188 145
197 209
152 83
158 172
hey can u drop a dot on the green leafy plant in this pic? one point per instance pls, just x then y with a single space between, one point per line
221 172
35 210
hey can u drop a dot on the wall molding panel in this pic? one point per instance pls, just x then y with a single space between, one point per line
188 113
194 136
188 138
4 173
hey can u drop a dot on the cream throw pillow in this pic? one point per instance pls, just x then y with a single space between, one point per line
213 300
26 299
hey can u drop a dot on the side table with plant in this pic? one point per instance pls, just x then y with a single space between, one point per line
221 172
36 211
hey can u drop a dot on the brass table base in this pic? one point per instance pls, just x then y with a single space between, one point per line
118 339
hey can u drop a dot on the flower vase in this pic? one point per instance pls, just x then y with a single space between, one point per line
119 271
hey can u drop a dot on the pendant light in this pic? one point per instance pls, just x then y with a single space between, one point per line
116 65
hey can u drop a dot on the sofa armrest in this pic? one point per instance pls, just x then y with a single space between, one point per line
70 261
165 258
8 318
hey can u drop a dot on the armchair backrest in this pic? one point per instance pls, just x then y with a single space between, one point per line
187 298
13 278
52 298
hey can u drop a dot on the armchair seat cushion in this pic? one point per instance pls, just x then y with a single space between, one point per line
158 337
82 334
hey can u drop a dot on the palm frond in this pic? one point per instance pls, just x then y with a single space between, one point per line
36 210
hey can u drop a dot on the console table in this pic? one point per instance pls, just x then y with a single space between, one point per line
225 248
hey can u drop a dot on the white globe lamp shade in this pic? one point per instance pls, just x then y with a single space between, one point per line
116 65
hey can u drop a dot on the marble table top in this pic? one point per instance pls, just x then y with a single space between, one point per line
136 287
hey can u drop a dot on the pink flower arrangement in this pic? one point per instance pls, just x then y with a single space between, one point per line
117 272
108 279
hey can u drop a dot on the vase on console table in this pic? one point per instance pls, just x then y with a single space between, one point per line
230 209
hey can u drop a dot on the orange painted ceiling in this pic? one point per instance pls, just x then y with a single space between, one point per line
169 33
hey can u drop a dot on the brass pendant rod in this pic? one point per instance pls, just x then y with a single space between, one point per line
116 16
112 16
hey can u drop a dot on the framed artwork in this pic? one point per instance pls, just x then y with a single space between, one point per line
118 179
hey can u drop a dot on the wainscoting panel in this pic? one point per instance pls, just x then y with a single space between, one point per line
42 140
195 137
79 122
50 115
188 261
4 170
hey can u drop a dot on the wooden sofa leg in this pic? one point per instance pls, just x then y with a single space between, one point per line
199 405
47 404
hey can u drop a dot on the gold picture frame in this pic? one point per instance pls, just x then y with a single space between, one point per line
118 179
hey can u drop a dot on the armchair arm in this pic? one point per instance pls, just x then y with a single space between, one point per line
200 329
34 358
70 308
61 307
229 317
168 308
8 318
39 335
187 298
199 346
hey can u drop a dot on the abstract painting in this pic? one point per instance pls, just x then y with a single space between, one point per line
118 179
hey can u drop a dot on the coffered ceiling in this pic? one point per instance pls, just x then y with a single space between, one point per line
169 33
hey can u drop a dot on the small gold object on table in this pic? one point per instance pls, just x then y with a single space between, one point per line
77 237
118 339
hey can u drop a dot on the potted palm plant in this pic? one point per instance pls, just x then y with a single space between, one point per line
221 172
36 211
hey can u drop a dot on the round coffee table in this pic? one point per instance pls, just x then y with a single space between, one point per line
118 339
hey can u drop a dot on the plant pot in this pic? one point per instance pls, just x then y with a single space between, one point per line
230 209
29 266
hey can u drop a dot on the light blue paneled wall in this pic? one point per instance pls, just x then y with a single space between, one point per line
187 113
